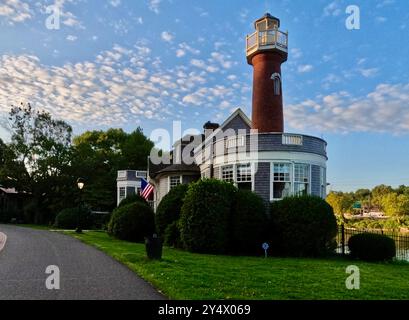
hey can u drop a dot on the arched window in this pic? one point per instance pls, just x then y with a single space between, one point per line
277 83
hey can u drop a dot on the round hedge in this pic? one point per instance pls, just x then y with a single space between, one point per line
302 226
169 208
68 218
132 199
205 216
372 247
248 220
132 222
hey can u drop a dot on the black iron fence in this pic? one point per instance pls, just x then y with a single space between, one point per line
401 240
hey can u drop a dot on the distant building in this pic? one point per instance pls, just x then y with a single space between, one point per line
129 183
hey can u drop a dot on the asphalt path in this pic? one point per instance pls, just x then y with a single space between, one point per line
85 272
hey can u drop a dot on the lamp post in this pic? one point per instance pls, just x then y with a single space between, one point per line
80 185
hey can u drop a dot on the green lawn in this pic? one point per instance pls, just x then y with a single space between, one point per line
182 275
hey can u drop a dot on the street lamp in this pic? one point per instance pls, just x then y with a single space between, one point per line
80 184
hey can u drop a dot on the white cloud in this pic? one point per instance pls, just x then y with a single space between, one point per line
15 11
222 59
203 65
369 73
386 109
305 68
153 5
72 38
115 3
121 85
296 53
332 9
167 36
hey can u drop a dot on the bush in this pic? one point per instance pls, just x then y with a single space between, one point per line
169 208
205 216
68 218
172 235
132 222
372 247
302 226
132 199
248 220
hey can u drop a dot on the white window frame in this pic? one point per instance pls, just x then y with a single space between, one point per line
170 179
323 182
235 166
301 182
272 181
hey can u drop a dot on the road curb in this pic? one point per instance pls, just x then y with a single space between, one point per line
3 239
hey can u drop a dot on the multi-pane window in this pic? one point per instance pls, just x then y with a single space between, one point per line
281 180
244 176
228 174
323 189
301 178
174 181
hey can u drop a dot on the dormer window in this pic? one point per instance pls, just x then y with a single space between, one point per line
277 83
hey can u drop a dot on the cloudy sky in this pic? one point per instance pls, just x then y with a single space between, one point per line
129 63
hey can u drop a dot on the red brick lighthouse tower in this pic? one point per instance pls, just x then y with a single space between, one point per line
267 49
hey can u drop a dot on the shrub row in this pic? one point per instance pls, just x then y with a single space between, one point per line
212 216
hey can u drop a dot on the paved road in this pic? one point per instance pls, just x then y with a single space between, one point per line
86 273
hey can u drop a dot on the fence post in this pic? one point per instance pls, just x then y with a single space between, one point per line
343 239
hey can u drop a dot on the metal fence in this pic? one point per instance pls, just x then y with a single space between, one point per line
401 240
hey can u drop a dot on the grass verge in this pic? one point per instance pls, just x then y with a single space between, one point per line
183 275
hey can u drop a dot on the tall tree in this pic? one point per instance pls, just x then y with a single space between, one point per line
42 149
100 154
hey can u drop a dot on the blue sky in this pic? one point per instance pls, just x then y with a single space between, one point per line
128 63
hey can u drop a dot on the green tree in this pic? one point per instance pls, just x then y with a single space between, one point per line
396 205
98 155
41 150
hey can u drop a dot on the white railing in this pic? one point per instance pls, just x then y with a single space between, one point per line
293 140
235 141
262 39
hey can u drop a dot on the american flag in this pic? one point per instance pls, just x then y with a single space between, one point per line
146 189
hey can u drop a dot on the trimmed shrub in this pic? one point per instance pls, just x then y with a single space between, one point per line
172 235
68 218
169 208
205 216
248 220
302 226
132 222
132 199
372 247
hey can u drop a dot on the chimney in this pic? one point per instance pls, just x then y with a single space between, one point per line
209 128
